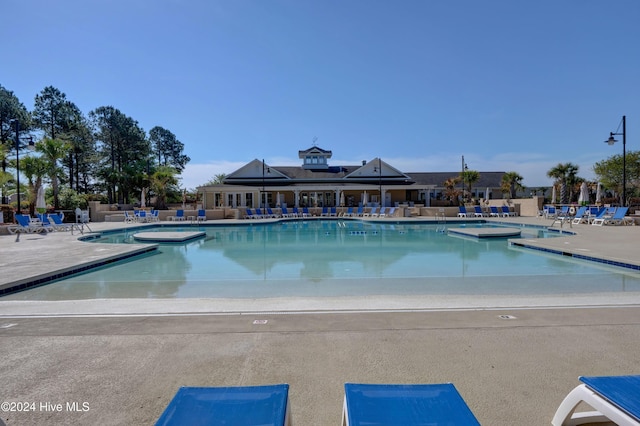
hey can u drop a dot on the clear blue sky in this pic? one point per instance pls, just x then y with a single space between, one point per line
511 85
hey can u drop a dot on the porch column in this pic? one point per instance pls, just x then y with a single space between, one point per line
296 195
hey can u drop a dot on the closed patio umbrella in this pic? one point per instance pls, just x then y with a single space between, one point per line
553 195
341 198
599 193
41 205
584 194
143 198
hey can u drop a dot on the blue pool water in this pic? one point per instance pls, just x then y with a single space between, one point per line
333 259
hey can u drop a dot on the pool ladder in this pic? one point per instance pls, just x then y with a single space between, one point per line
442 221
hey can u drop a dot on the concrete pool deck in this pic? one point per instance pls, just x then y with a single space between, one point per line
512 365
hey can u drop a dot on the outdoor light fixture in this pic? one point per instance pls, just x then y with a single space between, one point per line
612 141
263 195
379 171
31 146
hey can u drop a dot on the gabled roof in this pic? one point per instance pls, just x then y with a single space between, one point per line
254 170
314 150
377 169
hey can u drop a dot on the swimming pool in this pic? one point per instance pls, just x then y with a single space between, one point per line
317 258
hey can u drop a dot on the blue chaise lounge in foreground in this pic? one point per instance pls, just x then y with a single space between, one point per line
406 405
244 405
614 399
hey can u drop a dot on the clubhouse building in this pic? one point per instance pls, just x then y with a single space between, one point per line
317 183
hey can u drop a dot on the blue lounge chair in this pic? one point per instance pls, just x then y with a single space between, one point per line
407 405
478 211
179 215
619 217
249 214
462 212
46 223
25 225
270 213
295 213
58 223
614 399
390 213
325 211
493 211
248 405
581 215
259 214
129 217
202 215
372 212
285 212
360 211
603 215
348 213
506 211
333 212
305 212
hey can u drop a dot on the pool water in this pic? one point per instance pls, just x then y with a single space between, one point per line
335 258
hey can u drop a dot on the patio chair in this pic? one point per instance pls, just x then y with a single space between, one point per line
493 211
619 217
462 212
613 398
25 225
325 211
407 405
506 211
244 405
333 212
202 215
478 211
390 213
58 223
285 212
270 213
347 213
179 215
603 215
360 211
381 213
129 217
46 223
581 216
295 213
372 212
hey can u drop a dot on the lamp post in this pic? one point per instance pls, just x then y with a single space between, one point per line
379 170
262 195
464 167
611 141
30 146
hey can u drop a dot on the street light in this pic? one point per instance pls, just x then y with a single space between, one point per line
30 146
262 195
464 167
379 170
611 141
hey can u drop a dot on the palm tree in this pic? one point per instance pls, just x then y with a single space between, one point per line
53 150
35 169
159 181
451 191
511 183
564 174
469 177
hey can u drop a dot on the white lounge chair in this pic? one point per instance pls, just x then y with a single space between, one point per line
614 399
406 405
244 405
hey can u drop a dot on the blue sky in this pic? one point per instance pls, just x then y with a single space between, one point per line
510 85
